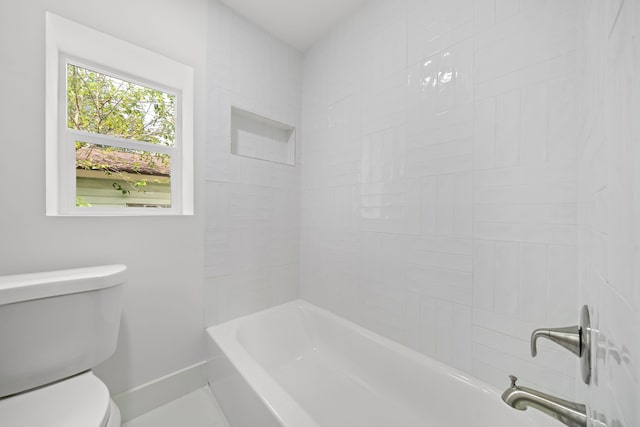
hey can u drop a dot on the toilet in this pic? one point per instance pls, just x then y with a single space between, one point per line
54 328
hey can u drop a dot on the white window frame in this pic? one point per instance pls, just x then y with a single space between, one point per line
68 42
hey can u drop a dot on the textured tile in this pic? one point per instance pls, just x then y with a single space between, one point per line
508 116
504 231
606 206
253 215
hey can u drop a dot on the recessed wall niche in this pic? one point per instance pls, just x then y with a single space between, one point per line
262 138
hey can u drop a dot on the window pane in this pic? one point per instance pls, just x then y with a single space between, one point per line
106 105
121 177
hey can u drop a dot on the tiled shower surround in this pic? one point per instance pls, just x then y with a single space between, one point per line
253 206
462 178
439 201
609 193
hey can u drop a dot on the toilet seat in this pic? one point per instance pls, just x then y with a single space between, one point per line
79 401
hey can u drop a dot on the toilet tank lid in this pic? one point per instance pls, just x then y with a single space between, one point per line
30 286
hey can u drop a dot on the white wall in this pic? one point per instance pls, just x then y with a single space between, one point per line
161 328
525 190
439 201
253 206
609 177
470 174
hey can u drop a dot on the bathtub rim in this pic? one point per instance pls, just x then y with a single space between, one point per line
280 403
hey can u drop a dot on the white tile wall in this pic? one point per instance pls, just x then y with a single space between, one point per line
466 177
439 186
252 237
608 195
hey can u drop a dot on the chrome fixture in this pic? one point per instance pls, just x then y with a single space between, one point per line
568 337
569 413
576 339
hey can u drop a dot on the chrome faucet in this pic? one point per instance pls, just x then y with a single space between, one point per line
569 413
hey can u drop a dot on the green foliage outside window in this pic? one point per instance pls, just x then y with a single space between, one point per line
98 103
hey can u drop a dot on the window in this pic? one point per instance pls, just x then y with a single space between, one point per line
119 131
124 138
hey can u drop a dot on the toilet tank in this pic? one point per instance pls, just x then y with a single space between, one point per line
57 324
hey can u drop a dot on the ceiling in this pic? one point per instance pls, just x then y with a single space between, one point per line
300 23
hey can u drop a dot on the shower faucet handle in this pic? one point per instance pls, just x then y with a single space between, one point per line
568 337
576 339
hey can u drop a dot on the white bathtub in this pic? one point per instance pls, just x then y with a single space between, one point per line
297 365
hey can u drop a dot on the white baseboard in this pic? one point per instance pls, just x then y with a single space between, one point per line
144 398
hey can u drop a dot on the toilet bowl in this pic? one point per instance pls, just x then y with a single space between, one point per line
54 328
80 401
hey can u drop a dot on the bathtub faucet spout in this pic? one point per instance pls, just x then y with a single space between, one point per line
569 413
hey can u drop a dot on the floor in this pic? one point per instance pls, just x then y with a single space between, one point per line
196 409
